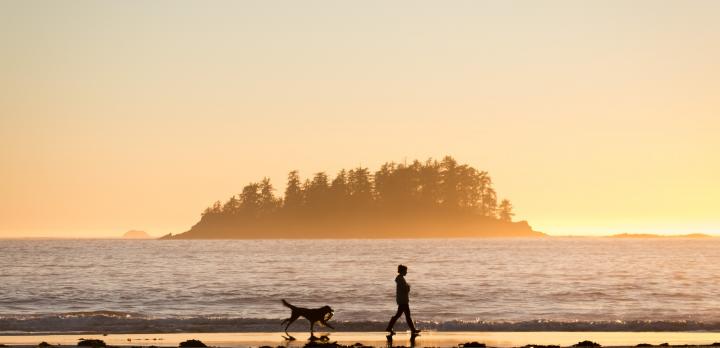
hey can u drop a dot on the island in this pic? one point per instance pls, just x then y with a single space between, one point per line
650 235
422 199
135 234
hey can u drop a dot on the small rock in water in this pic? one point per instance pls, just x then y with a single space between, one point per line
320 344
44 344
716 344
664 344
91 343
587 343
540 346
192 343
360 345
473 344
644 345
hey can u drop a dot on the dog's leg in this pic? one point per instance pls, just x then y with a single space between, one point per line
312 329
289 321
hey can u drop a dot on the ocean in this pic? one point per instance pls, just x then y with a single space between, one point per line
541 284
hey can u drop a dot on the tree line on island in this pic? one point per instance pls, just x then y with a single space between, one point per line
421 199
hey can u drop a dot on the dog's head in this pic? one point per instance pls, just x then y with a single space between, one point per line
327 313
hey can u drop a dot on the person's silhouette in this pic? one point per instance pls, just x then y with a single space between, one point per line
403 301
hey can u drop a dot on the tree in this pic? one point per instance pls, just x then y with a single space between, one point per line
339 191
385 186
216 208
450 182
489 203
430 180
505 212
232 206
212 213
293 193
268 203
317 193
488 197
250 199
360 188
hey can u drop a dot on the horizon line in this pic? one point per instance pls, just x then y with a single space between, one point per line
628 234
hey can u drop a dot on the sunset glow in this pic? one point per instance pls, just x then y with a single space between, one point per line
592 118
371 174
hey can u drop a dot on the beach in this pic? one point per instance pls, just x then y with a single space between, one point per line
377 339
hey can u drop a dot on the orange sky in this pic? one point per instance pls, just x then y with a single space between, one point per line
592 117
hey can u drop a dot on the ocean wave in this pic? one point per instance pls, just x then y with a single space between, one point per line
122 322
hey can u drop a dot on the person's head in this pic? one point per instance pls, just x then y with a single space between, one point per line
402 269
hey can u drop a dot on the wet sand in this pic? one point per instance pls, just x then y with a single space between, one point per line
377 339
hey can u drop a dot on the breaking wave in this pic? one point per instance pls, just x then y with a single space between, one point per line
123 322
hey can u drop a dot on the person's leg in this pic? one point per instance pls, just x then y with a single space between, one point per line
395 317
408 318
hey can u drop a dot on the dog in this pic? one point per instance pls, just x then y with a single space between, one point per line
314 315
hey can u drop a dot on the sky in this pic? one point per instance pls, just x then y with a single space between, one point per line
592 117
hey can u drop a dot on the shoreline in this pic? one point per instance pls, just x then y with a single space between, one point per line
377 339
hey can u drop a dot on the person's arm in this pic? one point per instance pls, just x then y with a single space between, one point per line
403 285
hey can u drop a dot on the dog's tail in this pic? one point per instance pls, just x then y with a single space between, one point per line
287 304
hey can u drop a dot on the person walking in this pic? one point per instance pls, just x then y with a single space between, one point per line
403 302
